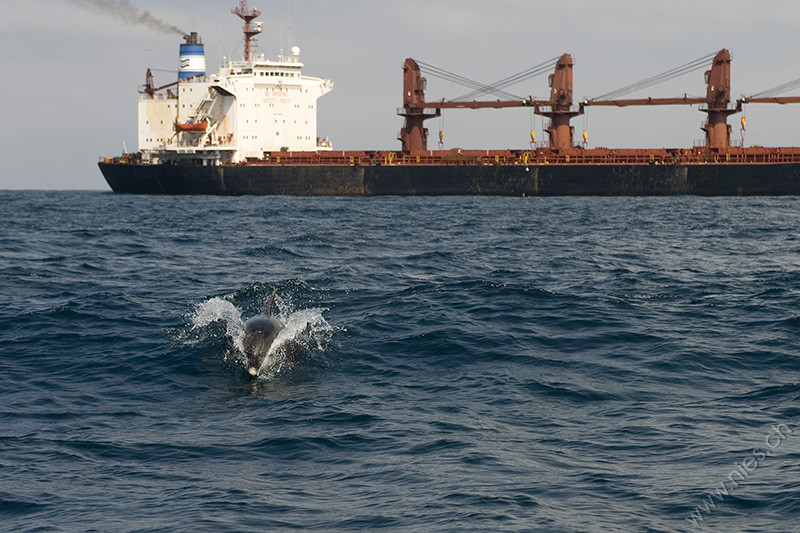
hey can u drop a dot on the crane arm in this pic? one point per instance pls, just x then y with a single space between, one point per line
685 100
497 104
771 100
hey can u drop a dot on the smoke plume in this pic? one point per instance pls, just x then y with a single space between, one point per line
129 14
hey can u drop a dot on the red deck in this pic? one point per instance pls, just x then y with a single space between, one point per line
540 156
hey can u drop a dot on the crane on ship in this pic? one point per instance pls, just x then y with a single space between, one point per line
717 101
771 96
559 108
149 88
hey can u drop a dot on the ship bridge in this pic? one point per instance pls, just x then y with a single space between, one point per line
247 109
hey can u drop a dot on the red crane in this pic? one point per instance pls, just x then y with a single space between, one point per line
416 110
717 100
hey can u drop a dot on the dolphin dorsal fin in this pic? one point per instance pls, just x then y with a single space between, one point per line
271 302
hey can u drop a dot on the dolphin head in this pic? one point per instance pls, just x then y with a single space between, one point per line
259 335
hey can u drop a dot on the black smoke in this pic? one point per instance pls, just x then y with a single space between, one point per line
129 14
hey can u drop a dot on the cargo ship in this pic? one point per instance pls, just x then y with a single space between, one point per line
251 129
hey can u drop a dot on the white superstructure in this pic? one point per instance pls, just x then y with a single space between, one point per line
247 109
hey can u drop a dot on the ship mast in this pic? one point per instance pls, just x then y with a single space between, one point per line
249 31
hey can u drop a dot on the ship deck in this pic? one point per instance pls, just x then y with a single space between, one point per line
538 156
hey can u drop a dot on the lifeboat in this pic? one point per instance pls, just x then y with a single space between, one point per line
191 126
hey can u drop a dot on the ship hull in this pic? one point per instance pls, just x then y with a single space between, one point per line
490 180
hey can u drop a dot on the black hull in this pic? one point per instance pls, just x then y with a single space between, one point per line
496 180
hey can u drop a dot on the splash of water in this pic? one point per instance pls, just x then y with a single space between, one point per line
219 310
129 14
305 331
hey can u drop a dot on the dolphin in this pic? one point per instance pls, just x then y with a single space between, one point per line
259 335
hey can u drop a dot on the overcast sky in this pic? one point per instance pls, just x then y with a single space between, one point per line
71 74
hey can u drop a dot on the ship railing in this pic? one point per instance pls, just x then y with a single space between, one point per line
521 158
533 157
454 158
701 143
158 96
236 64
196 79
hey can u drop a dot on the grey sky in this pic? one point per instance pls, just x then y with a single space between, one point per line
71 74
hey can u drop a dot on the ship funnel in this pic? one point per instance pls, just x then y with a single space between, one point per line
192 58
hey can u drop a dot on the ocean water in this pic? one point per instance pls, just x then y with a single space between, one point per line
448 364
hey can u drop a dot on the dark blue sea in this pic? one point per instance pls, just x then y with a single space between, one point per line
448 364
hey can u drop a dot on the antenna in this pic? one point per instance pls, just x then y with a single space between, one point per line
289 22
249 32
